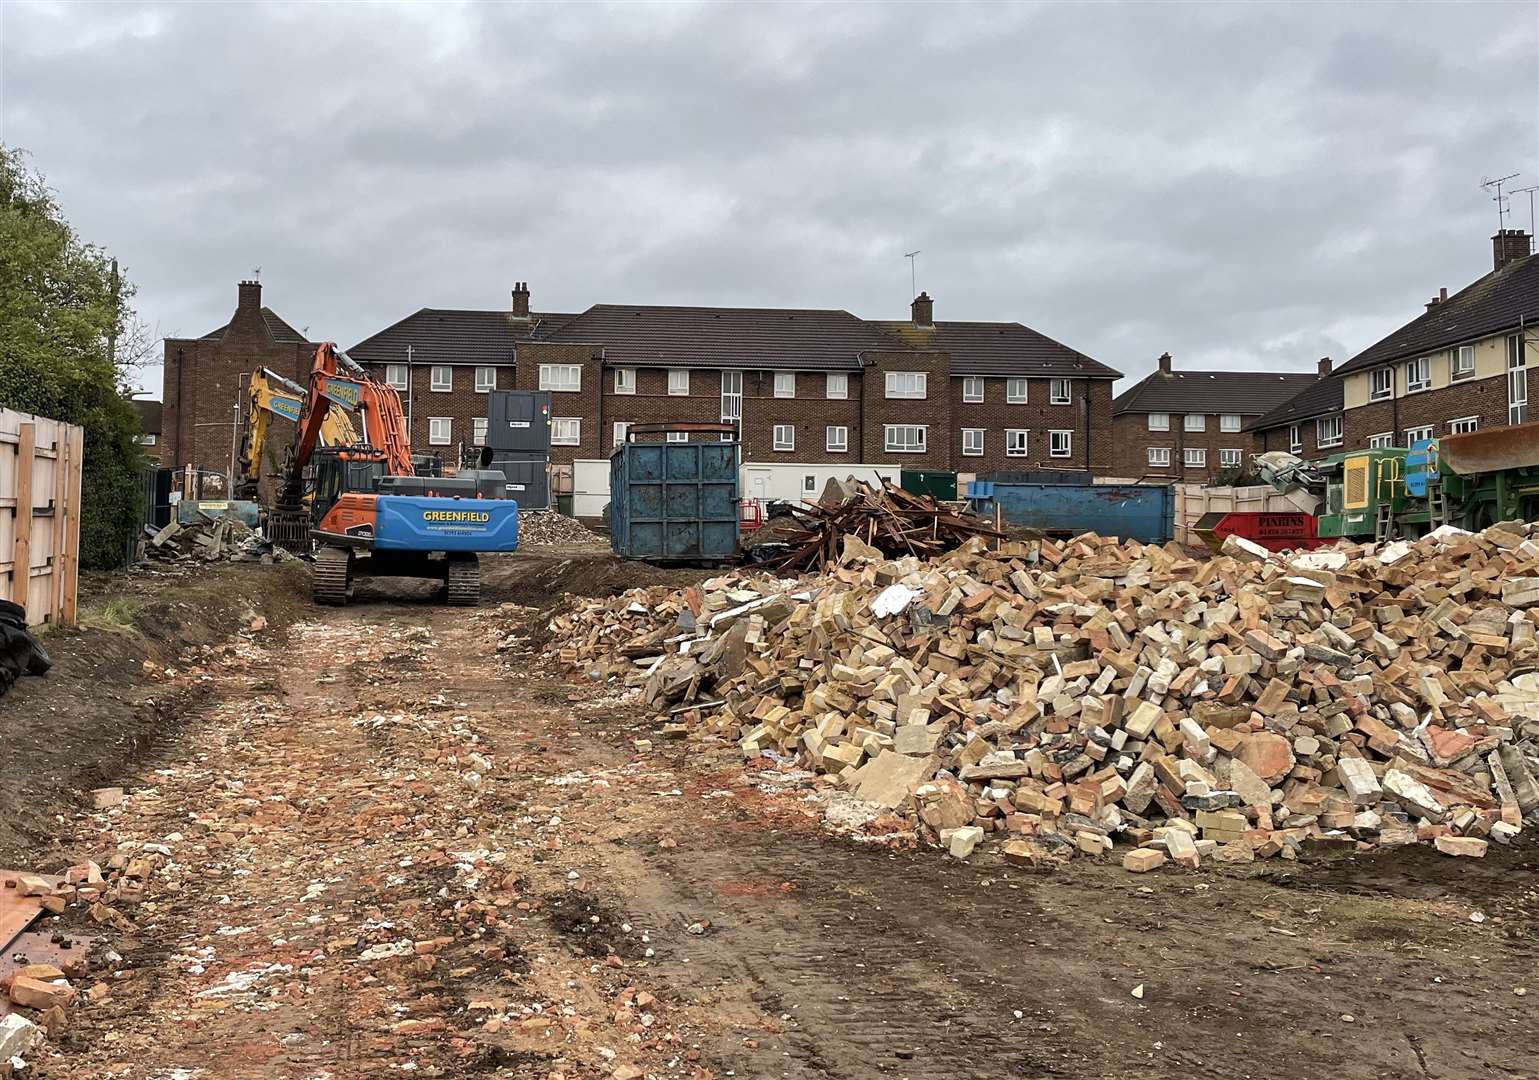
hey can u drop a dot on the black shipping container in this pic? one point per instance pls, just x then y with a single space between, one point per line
527 478
519 421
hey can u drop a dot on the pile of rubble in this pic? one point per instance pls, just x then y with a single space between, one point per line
210 539
547 528
1078 695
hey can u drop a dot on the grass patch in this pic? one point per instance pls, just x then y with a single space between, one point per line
115 613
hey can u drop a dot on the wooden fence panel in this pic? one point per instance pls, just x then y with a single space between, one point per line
40 463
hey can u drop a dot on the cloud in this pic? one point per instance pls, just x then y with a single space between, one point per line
1241 185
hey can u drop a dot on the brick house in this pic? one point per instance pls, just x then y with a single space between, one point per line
149 413
1467 362
1191 425
204 381
807 386
1308 424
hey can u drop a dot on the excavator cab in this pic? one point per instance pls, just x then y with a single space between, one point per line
339 470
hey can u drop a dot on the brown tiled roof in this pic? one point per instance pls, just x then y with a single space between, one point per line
281 331
1249 393
1501 300
457 336
149 415
1008 348
765 338
1320 398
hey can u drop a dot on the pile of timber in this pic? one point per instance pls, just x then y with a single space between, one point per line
1075 696
871 520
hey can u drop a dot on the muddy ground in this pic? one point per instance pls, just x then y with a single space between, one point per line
398 850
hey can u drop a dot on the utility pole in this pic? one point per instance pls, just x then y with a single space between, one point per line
411 385
112 331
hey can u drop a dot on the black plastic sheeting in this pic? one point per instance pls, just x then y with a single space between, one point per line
20 652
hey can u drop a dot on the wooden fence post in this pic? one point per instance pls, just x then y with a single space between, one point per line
21 543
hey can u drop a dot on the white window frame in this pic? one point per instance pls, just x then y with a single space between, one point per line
972 389
1230 459
621 429
558 431
553 377
1159 457
1159 421
1382 441
1060 392
1418 375
731 396
972 435
785 437
625 380
1017 442
1464 425
1381 375
1457 367
478 428
1016 391
148 438
434 438
1060 443
444 385
488 383
892 444
1517 379
1418 434
676 436
678 382
397 381
836 386
1194 422
1295 438
836 439
1328 432
809 483
1229 422
785 384
907 385
1194 457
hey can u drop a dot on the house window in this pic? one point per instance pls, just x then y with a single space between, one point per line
972 389
622 429
1159 421
1461 362
1196 459
809 484
836 438
147 439
1060 443
785 437
909 385
395 376
1016 441
440 430
1381 384
785 384
972 442
836 386
1414 435
1015 391
1194 422
1464 425
625 380
561 377
1295 438
443 378
1517 381
565 430
1229 421
1060 392
486 380
1328 431
478 431
1159 457
678 382
1381 441
731 395
905 438
678 436
1418 374
1229 459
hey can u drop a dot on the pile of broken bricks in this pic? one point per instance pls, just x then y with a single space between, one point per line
1091 695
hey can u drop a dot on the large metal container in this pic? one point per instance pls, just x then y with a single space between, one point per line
526 478
518 420
674 502
1142 512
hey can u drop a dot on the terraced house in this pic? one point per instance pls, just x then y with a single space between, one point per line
815 392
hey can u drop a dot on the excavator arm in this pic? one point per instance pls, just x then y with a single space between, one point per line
269 394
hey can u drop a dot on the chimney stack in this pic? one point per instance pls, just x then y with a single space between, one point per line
521 300
1508 245
1323 366
1164 363
250 296
924 310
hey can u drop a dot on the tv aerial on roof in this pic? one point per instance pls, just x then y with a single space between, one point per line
1499 199
913 277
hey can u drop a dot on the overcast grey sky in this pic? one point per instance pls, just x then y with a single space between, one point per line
1243 185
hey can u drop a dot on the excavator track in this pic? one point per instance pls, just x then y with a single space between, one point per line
464 582
332 578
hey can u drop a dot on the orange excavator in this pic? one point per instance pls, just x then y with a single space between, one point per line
368 513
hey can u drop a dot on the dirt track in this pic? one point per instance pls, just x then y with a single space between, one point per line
379 780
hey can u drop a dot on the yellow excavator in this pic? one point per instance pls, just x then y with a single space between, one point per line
269 394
